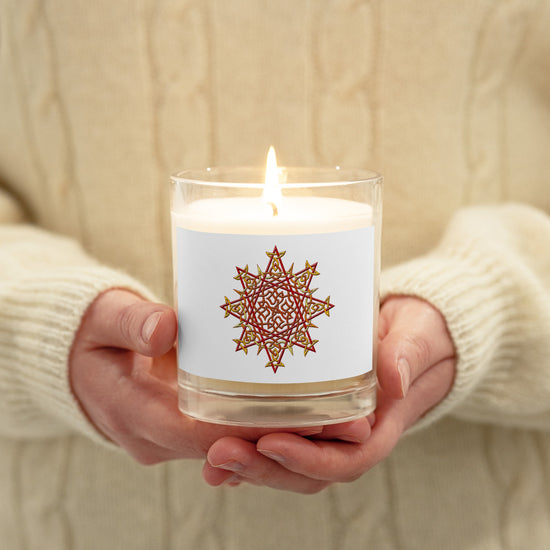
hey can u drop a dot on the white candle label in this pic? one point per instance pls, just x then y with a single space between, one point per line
275 309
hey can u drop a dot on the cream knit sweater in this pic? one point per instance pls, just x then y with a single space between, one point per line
450 100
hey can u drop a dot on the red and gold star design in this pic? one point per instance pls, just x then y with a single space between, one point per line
276 308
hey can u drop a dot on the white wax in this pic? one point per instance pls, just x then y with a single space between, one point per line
296 215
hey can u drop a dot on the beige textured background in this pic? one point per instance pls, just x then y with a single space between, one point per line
449 100
435 95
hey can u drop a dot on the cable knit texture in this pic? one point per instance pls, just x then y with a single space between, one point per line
102 100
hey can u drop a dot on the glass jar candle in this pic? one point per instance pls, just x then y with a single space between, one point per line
276 287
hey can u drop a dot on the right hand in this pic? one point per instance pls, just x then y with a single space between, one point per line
123 372
416 369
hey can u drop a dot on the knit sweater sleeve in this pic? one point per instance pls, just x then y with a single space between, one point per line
46 284
490 278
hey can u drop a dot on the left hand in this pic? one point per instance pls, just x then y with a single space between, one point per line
122 370
416 367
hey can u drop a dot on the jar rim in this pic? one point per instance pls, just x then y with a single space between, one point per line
290 177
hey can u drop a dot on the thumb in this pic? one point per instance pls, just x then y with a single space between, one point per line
415 338
122 319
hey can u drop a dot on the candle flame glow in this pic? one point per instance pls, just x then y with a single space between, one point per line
272 190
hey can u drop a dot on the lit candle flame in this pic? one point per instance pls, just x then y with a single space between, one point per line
272 190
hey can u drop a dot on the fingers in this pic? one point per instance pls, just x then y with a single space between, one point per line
287 462
413 337
121 319
356 431
232 460
330 461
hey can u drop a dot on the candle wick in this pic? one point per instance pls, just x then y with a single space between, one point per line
275 210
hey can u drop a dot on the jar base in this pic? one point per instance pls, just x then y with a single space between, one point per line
280 410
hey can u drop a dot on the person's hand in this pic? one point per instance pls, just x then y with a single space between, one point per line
122 370
416 367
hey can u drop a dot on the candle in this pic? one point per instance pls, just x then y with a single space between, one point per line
276 287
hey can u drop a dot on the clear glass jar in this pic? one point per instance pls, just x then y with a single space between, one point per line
277 294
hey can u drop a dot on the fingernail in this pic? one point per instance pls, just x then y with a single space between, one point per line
233 481
273 456
310 431
231 465
404 374
150 326
350 438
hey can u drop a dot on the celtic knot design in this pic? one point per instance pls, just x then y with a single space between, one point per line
275 309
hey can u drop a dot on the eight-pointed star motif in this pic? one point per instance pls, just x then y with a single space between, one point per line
275 309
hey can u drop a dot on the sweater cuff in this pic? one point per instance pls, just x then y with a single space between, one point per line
472 294
39 328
